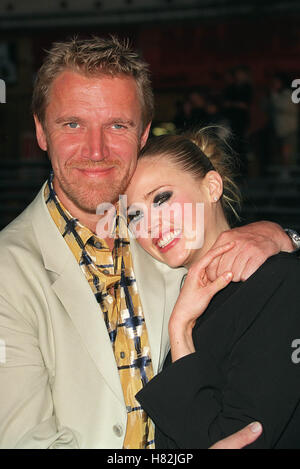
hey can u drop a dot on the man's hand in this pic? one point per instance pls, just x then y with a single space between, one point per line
239 440
254 244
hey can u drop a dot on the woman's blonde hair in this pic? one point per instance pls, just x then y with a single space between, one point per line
197 153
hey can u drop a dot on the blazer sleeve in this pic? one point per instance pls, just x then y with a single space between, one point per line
198 400
27 417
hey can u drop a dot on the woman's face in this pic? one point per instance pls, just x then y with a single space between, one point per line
169 210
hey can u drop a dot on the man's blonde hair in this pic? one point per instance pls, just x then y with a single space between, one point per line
93 57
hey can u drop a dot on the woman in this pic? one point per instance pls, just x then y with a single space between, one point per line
235 363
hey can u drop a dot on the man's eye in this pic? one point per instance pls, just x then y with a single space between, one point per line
162 197
72 125
118 126
135 216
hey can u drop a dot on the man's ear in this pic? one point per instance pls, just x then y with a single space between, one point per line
145 135
40 134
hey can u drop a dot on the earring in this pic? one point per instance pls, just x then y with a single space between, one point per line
216 198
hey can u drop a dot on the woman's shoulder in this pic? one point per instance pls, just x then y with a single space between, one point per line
274 288
276 270
285 257
268 300
283 265
278 279
278 273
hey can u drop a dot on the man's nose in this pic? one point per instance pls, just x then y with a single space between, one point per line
95 146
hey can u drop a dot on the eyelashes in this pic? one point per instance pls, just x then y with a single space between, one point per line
158 200
135 216
162 197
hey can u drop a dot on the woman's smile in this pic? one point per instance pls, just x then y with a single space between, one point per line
166 241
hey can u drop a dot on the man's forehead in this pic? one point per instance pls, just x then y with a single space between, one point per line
70 77
112 92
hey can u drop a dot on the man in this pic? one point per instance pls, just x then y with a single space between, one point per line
83 320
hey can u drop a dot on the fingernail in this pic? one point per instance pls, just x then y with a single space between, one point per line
255 427
228 275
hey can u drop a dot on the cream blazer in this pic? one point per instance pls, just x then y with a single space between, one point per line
59 384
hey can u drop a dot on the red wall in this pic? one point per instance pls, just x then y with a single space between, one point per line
192 54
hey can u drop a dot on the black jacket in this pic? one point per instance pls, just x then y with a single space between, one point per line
245 367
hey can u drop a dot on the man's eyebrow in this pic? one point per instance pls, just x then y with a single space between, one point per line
114 120
62 119
121 120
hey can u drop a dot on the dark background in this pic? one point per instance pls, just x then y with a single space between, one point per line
190 46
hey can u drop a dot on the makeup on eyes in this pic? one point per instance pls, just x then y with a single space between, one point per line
162 197
159 199
135 216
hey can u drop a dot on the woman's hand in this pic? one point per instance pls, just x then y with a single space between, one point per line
193 300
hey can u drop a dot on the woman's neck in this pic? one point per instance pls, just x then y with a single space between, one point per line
212 231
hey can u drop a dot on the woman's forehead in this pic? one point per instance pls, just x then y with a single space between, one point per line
151 170
157 172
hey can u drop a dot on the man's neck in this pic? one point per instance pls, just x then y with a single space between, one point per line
87 219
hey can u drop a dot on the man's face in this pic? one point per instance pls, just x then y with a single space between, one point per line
93 132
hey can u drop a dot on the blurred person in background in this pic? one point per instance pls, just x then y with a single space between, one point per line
284 119
192 111
237 99
214 112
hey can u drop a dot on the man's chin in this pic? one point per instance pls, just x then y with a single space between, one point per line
91 204
88 197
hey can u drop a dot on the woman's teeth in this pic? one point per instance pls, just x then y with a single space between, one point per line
163 242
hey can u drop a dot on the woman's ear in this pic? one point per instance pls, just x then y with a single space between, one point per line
40 134
214 184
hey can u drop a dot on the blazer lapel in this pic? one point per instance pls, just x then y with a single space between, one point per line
75 294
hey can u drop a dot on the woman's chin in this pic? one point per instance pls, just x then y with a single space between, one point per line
175 260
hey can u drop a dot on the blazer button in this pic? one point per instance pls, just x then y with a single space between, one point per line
118 430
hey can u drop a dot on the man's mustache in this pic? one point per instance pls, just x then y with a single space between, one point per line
89 164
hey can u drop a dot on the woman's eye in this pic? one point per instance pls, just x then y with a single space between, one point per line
162 198
135 216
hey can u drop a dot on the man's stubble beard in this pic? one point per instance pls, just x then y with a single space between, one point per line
81 195
87 197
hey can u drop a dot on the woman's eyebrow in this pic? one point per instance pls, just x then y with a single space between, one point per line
146 196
